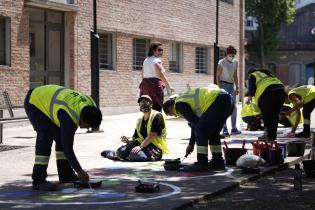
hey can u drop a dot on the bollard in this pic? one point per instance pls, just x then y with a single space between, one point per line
313 145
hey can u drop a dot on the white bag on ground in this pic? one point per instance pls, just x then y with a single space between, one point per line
250 161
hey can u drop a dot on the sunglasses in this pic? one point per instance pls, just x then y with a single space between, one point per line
160 50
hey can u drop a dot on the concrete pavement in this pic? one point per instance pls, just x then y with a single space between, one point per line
119 178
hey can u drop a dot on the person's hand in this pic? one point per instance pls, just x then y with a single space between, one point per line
124 139
172 89
136 149
236 91
248 101
83 176
189 149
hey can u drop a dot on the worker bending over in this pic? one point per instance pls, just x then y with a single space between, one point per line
206 109
55 113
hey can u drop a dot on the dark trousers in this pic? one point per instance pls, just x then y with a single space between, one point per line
307 110
207 130
270 104
46 133
253 122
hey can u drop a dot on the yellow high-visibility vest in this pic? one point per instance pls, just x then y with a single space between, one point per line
51 98
306 92
249 110
199 99
263 80
159 141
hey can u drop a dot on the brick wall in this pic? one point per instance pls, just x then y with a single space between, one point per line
15 78
190 22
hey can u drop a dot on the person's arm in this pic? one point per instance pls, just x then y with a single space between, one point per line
185 110
297 104
251 88
161 72
67 132
219 74
236 82
297 121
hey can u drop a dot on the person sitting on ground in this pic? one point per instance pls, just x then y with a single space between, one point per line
206 109
303 96
149 140
252 116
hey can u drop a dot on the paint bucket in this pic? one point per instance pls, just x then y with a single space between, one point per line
172 164
275 157
309 168
296 148
232 154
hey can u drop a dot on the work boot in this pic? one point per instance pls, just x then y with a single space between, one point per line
196 167
225 132
68 179
235 131
110 154
217 164
44 186
303 134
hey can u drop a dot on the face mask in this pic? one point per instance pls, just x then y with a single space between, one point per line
229 58
145 106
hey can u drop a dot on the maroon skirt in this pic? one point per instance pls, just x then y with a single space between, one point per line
154 87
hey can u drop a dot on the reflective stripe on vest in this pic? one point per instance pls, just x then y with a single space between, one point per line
159 141
215 148
306 92
58 102
41 160
199 99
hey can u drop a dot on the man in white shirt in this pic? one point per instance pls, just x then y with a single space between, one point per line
226 78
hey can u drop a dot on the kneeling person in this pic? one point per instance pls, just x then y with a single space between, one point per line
149 140
206 109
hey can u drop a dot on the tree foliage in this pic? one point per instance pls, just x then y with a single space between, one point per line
270 14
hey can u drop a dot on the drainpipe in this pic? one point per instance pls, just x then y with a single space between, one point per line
216 49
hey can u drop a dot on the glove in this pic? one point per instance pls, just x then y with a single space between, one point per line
83 176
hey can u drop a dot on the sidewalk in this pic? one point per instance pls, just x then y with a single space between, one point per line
119 178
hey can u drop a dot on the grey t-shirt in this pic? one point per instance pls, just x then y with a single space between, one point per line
228 69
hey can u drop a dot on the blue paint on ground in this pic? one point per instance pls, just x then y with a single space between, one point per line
109 195
16 194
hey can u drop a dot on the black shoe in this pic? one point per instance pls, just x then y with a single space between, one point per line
71 179
110 154
303 134
217 164
196 167
45 186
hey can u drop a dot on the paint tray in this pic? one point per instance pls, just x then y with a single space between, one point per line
172 164
147 187
172 161
93 183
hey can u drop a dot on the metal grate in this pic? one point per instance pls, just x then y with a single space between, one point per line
201 60
140 47
106 51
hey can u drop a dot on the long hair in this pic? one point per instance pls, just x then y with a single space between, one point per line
153 47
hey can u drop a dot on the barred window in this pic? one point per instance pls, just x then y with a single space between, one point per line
106 51
201 60
228 1
222 53
4 41
140 49
175 57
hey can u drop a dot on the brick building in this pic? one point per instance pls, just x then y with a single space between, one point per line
48 42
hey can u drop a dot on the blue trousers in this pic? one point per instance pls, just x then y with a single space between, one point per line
230 89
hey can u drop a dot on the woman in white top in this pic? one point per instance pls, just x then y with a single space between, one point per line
153 77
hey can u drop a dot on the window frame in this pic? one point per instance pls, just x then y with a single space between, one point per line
228 1
135 66
7 41
207 61
179 60
112 55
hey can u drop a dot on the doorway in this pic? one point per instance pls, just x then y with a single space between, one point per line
46 47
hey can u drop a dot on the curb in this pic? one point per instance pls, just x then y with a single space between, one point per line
222 191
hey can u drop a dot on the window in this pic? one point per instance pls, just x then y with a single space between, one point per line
140 49
222 53
175 57
249 23
201 60
228 1
4 41
106 51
